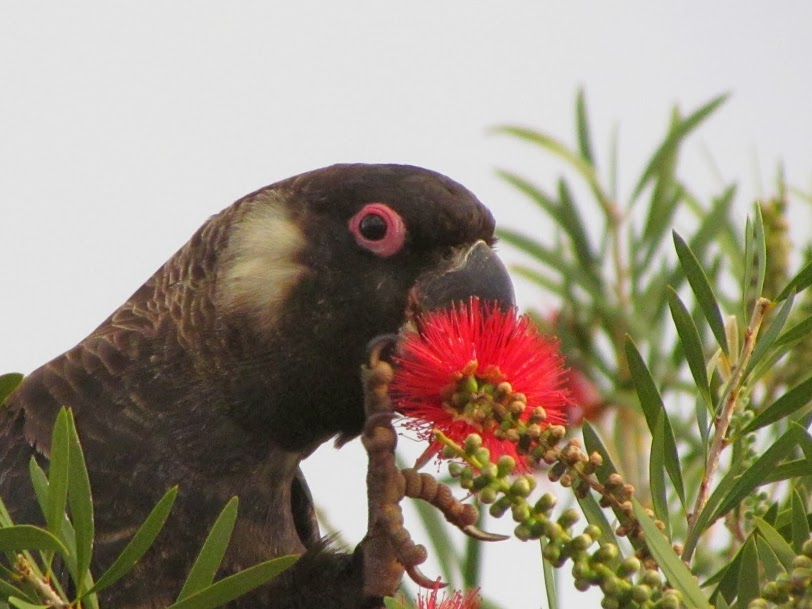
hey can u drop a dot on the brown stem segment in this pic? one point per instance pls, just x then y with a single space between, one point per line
722 422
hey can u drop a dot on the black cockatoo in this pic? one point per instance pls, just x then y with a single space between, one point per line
238 358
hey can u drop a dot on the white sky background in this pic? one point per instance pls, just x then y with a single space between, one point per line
123 127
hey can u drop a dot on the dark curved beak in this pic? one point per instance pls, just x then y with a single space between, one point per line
473 272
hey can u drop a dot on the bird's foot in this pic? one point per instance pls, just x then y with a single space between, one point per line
388 549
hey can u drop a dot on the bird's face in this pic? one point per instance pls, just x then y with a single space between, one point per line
322 263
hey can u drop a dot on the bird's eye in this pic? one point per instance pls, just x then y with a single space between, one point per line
378 228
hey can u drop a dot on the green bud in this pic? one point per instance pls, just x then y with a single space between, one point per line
551 552
505 465
773 592
652 578
545 503
520 487
568 518
472 443
581 543
468 384
641 593
669 602
593 531
521 512
806 549
553 531
802 562
483 455
488 495
582 585
490 471
522 532
608 602
628 567
606 553
801 578
581 570
610 586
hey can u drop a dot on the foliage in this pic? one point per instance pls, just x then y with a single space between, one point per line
35 556
698 454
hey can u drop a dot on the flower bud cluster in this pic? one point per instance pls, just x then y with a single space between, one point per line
792 590
625 582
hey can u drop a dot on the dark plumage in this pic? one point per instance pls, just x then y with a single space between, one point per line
234 361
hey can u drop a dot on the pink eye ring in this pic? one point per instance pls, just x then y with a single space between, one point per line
378 228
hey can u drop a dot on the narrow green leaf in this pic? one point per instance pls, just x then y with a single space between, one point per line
703 423
797 332
81 504
533 276
778 544
691 343
391 603
800 282
749 294
8 383
541 198
7 590
58 469
769 336
792 401
550 583
760 251
552 259
702 290
582 126
211 554
672 566
754 476
472 557
748 574
790 469
573 225
39 480
140 543
29 537
664 202
672 141
800 522
582 166
727 579
656 474
652 404
722 603
18 603
233 586
770 565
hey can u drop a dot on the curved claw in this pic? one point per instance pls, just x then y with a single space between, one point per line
476 533
382 347
422 580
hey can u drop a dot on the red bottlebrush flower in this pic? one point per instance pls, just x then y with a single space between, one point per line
466 367
458 600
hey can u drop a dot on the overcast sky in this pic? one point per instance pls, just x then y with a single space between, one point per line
123 126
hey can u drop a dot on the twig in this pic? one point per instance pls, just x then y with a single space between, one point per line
719 441
43 588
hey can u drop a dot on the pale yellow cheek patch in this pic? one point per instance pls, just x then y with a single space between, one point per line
260 265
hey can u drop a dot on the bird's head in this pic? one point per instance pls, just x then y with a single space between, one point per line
319 264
